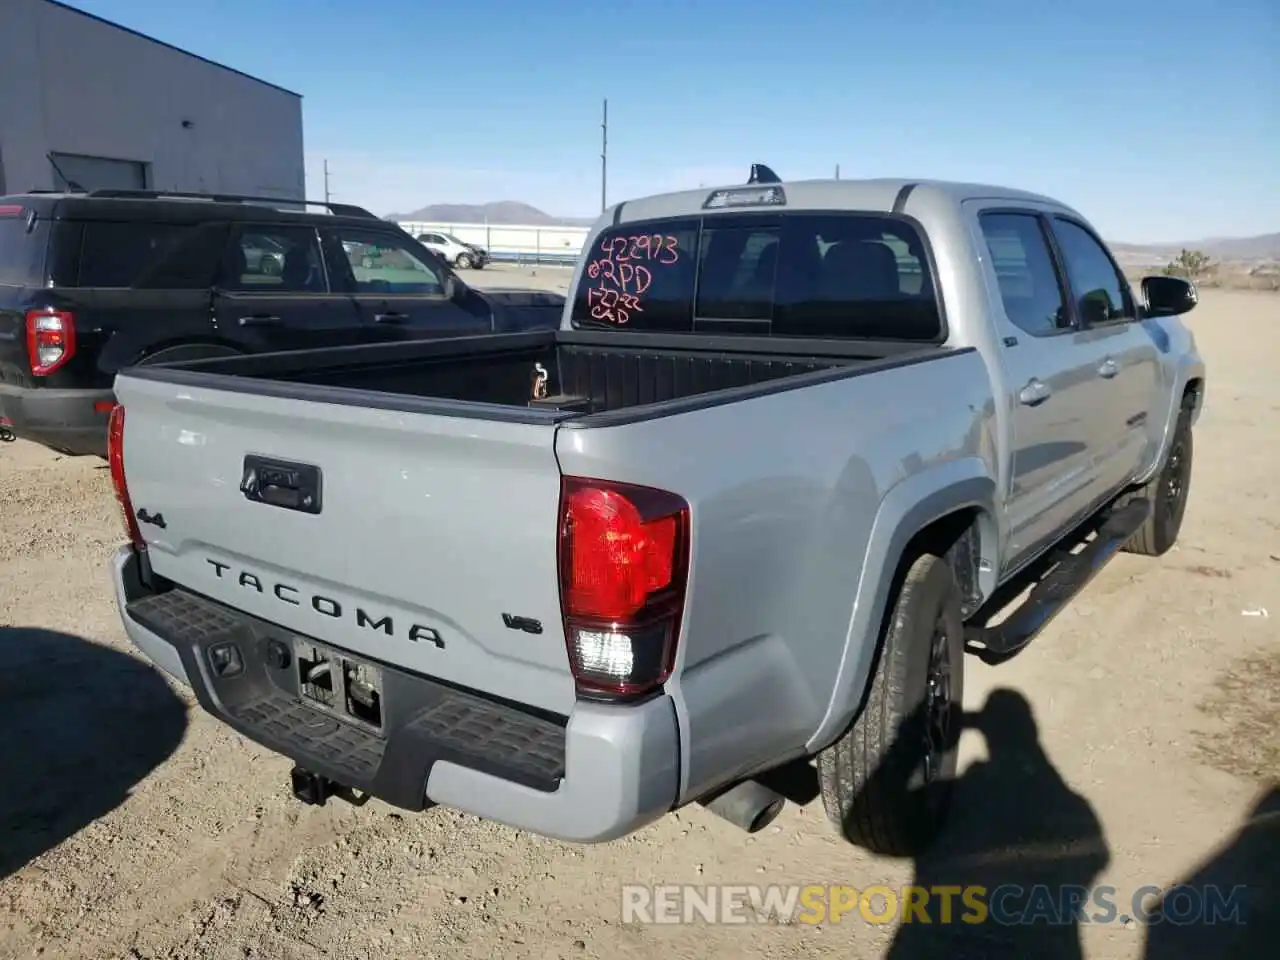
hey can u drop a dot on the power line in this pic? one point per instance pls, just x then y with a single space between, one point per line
604 156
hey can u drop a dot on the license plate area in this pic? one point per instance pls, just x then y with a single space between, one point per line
336 683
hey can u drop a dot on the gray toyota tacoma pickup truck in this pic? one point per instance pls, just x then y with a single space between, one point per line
746 510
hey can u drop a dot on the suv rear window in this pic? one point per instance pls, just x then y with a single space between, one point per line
836 276
22 251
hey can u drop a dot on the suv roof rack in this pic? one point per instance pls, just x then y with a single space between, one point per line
337 209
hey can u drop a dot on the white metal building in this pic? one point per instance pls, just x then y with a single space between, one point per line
115 108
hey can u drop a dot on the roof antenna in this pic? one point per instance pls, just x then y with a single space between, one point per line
762 174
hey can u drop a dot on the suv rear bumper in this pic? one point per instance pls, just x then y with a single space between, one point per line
65 420
602 773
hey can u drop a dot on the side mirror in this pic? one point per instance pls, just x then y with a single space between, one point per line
454 289
1168 296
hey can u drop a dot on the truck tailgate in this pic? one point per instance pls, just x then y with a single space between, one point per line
423 533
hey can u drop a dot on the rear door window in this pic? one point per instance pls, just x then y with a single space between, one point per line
22 248
835 276
1030 287
275 259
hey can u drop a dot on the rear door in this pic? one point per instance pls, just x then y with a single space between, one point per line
426 529
1050 373
399 288
274 291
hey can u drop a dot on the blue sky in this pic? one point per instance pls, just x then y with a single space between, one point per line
1158 120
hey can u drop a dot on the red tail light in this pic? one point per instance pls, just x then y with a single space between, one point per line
51 340
624 567
115 457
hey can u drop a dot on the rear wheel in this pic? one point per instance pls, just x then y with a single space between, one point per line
463 262
886 783
1167 491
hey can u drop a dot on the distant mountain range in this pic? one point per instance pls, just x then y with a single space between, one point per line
502 212
1265 246
506 212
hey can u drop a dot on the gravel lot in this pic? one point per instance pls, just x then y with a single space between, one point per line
132 825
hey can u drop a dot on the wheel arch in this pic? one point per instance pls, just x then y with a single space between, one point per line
948 510
187 349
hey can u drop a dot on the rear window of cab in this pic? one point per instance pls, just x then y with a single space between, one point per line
822 275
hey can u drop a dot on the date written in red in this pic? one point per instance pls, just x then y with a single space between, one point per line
613 306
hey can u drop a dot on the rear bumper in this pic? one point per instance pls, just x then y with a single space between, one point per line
600 774
62 419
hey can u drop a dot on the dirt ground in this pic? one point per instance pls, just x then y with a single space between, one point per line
134 826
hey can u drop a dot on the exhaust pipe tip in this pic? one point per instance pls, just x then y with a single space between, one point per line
749 805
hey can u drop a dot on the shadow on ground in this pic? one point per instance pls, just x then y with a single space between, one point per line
1229 908
1016 830
80 725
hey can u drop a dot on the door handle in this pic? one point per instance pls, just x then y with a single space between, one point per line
390 317
1036 391
261 320
1108 369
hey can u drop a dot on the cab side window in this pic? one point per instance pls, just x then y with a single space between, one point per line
1030 289
1100 294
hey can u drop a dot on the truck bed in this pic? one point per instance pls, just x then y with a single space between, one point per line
605 375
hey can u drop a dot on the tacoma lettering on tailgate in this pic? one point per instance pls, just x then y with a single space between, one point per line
326 606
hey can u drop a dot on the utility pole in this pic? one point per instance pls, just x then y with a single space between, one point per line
604 156
837 171
326 181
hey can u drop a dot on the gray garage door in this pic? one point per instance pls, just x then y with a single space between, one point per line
97 173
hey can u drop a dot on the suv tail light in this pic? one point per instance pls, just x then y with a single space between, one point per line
624 568
115 457
51 340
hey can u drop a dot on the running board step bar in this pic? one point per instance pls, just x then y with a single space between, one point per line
1066 579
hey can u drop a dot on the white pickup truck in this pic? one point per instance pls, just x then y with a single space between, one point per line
747 508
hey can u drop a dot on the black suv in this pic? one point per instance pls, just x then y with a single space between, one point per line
91 283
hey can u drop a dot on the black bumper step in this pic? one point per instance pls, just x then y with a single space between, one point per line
423 720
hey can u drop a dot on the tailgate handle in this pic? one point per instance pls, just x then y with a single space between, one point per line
281 483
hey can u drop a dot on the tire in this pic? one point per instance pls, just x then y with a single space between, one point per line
1167 491
887 782
463 262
